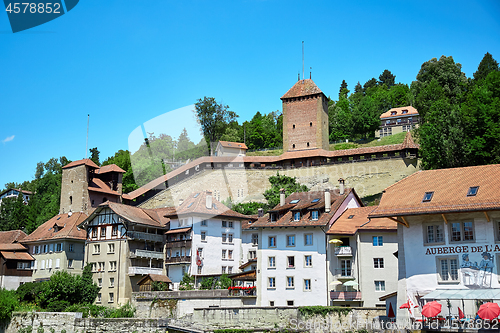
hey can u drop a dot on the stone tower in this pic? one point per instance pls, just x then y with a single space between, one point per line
305 117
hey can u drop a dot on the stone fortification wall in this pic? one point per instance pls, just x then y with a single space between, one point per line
243 185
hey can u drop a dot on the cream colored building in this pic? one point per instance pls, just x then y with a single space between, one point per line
398 120
123 244
226 148
56 245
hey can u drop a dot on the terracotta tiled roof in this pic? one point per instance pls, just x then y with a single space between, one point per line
97 185
110 168
302 88
248 224
399 112
132 214
13 236
450 187
195 203
287 220
87 162
12 247
155 277
409 143
229 144
178 231
356 219
16 189
70 228
16 255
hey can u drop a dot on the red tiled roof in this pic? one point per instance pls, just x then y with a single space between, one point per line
110 168
360 221
409 143
178 231
450 187
16 189
399 112
12 247
97 185
302 88
12 236
16 255
132 214
87 162
229 144
305 219
70 228
155 277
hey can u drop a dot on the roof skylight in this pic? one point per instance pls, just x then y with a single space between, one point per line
427 196
472 191
350 216
315 200
190 204
295 201
196 195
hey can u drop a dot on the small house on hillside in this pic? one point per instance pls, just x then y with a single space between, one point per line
13 193
398 120
226 148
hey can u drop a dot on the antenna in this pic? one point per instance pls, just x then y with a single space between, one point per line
87 147
310 73
302 60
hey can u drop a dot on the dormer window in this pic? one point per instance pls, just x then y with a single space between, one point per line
273 217
427 196
404 112
296 216
472 191
314 215
393 113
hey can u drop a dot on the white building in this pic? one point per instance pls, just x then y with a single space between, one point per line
292 256
226 148
362 264
205 239
449 237
14 193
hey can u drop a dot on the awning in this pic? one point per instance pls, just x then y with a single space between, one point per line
244 276
493 294
177 231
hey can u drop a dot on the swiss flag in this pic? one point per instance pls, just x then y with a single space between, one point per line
198 259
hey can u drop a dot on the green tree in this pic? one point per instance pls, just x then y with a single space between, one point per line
358 89
187 282
289 184
387 78
486 66
94 155
213 118
343 91
366 118
224 282
341 120
371 83
8 303
249 208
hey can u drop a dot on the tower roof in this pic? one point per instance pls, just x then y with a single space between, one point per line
302 88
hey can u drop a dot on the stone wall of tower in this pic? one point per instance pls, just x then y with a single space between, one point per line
74 189
305 123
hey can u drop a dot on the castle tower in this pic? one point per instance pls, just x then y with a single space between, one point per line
305 117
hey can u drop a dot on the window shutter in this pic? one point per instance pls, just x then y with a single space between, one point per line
58 262
43 264
50 263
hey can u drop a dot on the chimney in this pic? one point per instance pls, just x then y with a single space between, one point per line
328 201
341 186
181 201
209 200
282 197
261 212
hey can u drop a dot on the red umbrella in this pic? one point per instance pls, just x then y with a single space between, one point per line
431 309
391 312
489 311
405 306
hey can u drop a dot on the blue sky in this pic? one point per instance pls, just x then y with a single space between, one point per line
127 62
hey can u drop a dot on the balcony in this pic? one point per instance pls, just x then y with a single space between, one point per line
134 270
178 260
243 292
146 254
178 244
345 295
145 236
344 274
345 251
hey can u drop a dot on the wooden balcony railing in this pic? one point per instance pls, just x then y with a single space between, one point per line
180 259
178 244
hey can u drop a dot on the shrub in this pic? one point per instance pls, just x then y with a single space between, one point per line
8 303
124 311
207 283
57 306
159 286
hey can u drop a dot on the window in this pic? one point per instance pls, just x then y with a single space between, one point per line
230 238
271 282
200 268
290 240
229 269
255 239
307 284
99 282
230 254
114 230
351 217
379 285
252 254
290 262
224 224
345 268
308 239
59 247
308 261
204 223
434 233
230 224
224 254
462 231
293 202
271 303
289 303
94 266
289 282
58 263
101 266
203 236
427 196
296 216
94 232
448 269
271 262
111 282
378 240
378 262
272 241
472 191
99 298
112 266
71 248
224 238
51 248
111 297
50 264
97 248
70 263
111 248
399 121
273 217
224 269
314 215
103 232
